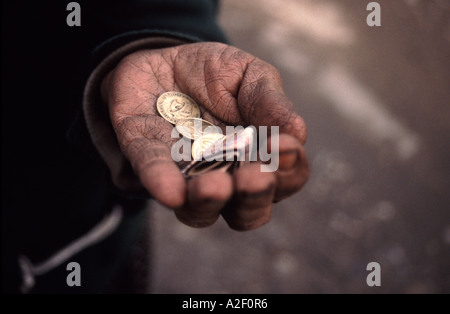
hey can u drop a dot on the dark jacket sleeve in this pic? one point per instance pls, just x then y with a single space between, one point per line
119 22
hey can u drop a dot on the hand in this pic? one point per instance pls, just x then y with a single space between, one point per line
233 88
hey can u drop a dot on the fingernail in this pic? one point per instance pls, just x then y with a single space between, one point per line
288 159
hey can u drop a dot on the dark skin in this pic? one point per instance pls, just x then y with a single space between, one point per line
233 88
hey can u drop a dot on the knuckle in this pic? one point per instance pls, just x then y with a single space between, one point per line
254 184
291 184
190 218
211 189
240 225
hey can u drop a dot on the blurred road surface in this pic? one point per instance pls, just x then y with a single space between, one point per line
376 101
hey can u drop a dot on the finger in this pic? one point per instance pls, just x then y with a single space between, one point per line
158 173
207 195
293 168
262 101
251 206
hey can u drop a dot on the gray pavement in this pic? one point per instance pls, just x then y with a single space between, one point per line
377 105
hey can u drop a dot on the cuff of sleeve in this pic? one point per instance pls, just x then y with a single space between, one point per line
97 116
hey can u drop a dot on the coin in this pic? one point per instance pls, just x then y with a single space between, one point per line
202 143
195 127
197 168
174 106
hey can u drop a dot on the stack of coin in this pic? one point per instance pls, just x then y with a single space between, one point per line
207 149
182 111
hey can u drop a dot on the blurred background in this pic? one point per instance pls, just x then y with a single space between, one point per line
376 101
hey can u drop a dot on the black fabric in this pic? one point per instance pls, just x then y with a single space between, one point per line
55 187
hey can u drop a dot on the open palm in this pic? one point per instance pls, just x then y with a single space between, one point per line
232 87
